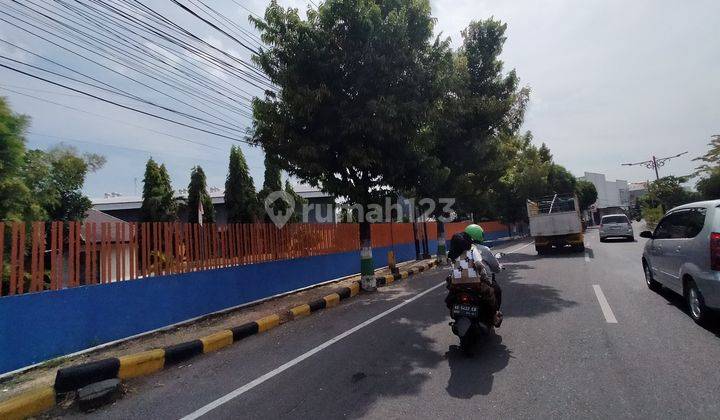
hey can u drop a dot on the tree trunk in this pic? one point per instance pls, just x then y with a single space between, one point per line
417 242
442 247
426 244
367 272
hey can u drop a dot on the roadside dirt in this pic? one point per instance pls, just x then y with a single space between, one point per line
44 375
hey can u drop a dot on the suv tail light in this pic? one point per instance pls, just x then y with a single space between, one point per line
715 251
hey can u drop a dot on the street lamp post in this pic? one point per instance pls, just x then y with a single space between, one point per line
655 163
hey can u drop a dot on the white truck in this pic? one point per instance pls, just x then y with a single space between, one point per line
555 222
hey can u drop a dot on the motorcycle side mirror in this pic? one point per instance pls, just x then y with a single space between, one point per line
499 255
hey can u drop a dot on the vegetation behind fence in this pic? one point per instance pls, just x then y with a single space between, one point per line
41 256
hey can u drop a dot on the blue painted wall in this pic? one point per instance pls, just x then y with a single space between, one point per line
40 326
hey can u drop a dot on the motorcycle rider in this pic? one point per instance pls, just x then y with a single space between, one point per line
467 250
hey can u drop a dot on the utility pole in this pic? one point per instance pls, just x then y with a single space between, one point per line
655 163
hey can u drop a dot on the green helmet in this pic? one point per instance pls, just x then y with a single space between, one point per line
476 233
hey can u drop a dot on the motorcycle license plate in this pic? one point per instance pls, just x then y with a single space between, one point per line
465 310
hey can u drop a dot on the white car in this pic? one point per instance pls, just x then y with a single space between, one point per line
616 226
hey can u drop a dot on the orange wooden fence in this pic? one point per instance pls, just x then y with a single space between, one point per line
41 256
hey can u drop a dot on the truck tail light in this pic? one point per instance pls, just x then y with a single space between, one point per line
715 251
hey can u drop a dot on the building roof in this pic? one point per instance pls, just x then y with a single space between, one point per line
95 216
116 201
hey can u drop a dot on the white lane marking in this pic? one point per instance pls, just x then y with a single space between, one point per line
604 305
250 385
587 254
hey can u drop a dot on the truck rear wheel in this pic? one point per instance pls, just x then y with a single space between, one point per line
579 248
541 250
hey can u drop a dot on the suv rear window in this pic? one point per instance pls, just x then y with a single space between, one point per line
694 220
615 219
681 224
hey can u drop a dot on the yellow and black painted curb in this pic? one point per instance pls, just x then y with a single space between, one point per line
391 278
333 299
37 401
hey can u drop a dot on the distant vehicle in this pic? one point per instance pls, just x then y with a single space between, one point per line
616 226
683 254
555 222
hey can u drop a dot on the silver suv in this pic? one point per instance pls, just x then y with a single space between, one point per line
683 254
616 225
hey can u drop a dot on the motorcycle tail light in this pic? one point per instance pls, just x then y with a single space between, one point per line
463 298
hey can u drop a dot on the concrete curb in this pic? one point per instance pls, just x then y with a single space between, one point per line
70 379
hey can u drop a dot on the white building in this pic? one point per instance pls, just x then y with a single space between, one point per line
610 193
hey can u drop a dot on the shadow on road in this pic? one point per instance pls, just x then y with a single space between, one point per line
524 298
408 352
470 376
613 240
678 301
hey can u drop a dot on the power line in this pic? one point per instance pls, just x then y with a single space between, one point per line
167 23
111 119
111 69
246 9
120 92
187 9
124 106
158 17
8 87
133 149
187 72
139 39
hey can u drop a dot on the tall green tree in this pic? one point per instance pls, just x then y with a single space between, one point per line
709 171
16 200
355 86
480 107
158 203
711 159
668 192
240 197
272 182
709 185
299 202
56 178
545 155
530 175
197 193
560 180
40 185
587 193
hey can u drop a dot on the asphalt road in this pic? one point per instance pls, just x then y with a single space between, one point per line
392 354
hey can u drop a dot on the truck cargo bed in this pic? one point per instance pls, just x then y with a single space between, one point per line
554 224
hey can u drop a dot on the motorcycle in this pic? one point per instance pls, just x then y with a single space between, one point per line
471 312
